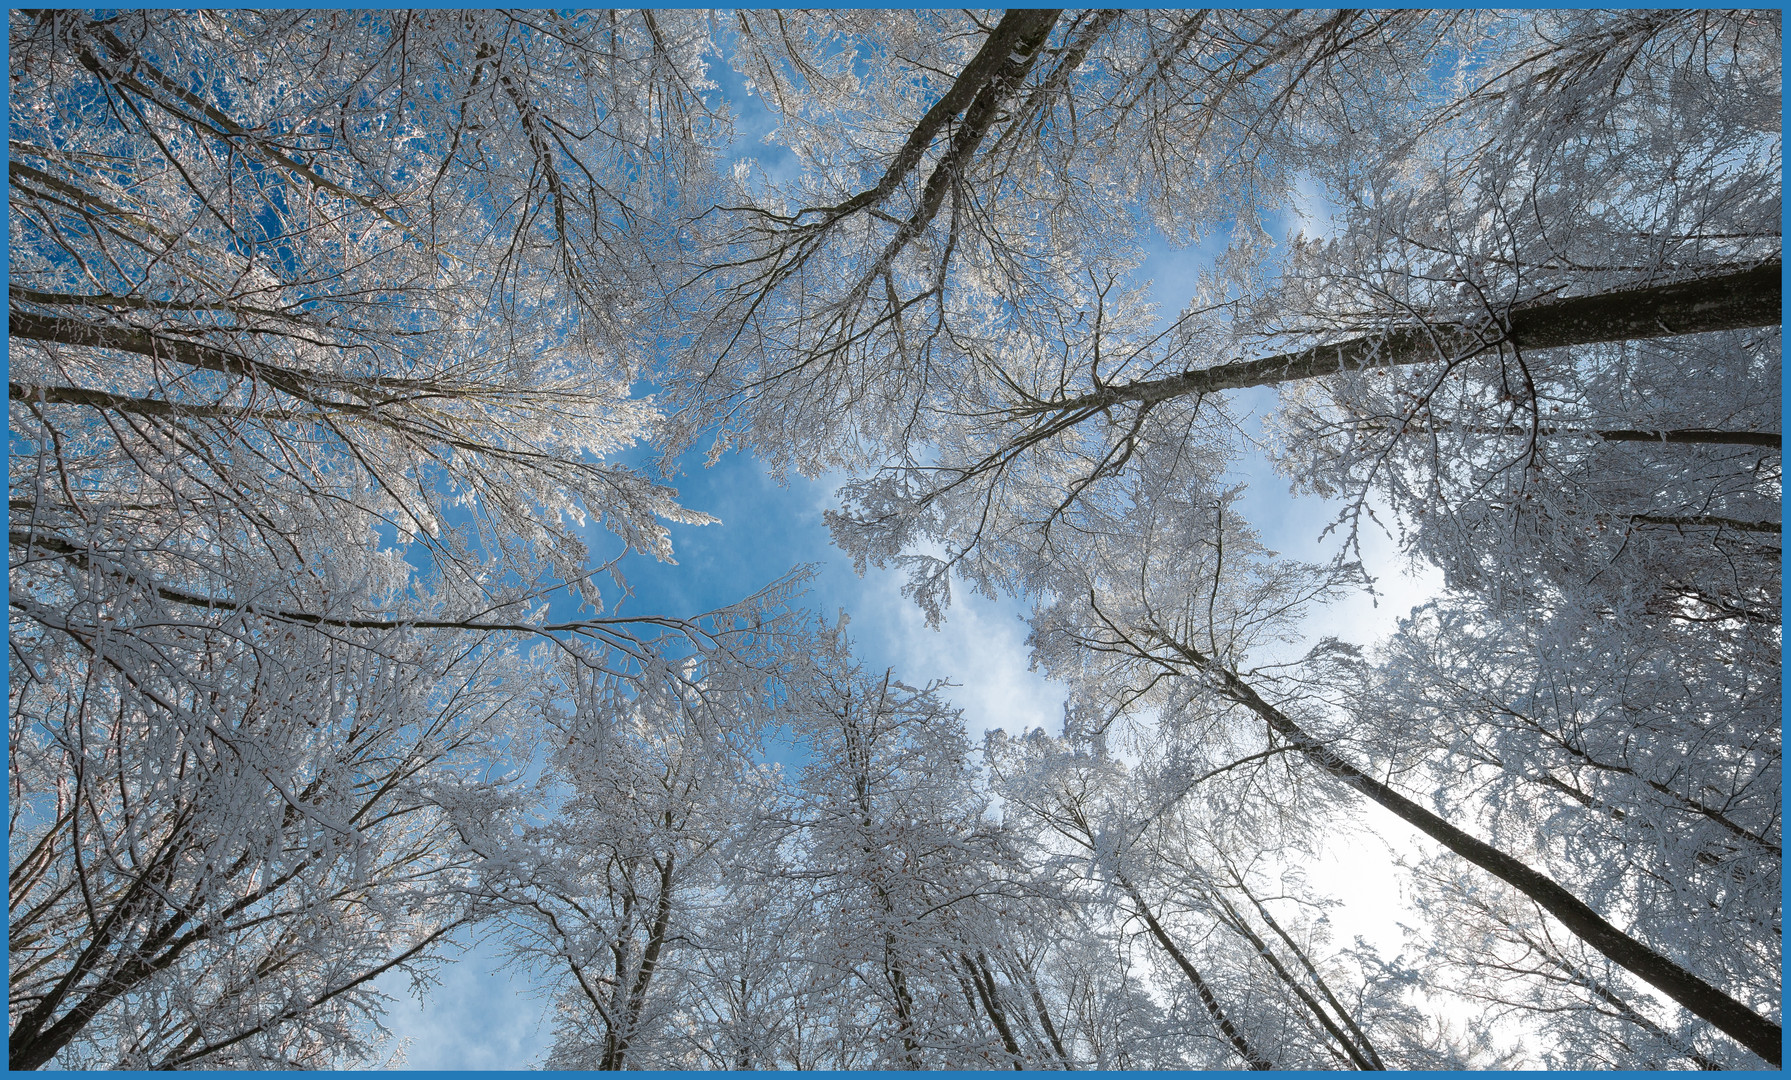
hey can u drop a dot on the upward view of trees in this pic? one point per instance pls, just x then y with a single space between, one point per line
326 331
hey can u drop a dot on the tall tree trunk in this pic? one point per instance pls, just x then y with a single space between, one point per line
1201 989
897 974
1361 1038
1236 921
1739 1022
617 1051
984 980
1044 1014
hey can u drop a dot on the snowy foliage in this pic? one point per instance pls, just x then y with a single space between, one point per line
326 333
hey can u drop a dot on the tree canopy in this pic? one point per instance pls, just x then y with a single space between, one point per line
328 332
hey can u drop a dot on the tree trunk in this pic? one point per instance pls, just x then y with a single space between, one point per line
984 980
1236 922
1044 1014
617 1051
1361 1037
1739 1022
1230 1030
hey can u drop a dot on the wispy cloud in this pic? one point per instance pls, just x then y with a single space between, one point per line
477 1017
981 648
1318 213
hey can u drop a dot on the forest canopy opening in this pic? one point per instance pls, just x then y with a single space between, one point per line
342 346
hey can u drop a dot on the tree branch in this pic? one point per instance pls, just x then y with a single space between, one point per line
1734 300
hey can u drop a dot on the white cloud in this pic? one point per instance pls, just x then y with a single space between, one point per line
477 1017
981 647
1319 214
1295 526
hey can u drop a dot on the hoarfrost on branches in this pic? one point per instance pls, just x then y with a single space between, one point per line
327 329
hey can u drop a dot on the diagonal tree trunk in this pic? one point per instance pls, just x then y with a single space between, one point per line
1236 921
1239 1042
1324 988
1734 1019
984 981
1044 1015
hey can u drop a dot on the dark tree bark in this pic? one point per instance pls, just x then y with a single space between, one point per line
1734 1019
1237 922
1044 1015
1361 1038
616 1049
984 981
1249 1053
